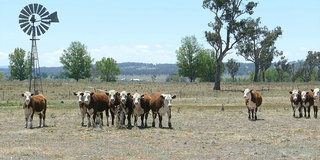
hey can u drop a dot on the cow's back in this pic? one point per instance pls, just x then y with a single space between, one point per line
100 100
256 97
38 102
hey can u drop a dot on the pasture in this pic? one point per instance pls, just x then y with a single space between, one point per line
201 129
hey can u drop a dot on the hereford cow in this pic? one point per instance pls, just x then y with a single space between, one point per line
296 101
34 104
114 102
126 107
316 96
161 104
141 108
307 101
253 100
83 108
96 103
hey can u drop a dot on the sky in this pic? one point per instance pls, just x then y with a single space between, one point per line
149 31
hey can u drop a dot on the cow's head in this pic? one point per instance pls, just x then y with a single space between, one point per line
79 96
316 93
123 96
28 96
87 97
247 93
304 95
136 99
295 94
167 99
112 94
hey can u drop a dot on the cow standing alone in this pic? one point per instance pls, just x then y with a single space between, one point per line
253 100
161 104
296 101
34 104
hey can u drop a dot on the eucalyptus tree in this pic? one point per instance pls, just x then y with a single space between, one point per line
108 69
258 45
282 66
227 22
76 61
18 64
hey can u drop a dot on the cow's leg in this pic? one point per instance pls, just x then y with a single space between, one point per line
146 119
107 116
31 118
40 119
112 117
169 119
294 111
26 121
315 111
83 114
89 121
300 111
160 120
249 117
129 120
44 118
141 119
308 111
255 113
135 120
154 116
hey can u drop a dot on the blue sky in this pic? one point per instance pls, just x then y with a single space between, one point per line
149 31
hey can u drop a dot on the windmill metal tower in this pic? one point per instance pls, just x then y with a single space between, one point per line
34 20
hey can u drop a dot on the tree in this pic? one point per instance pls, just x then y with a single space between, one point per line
232 67
18 65
282 66
108 69
76 61
257 45
312 61
226 16
188 58
208 65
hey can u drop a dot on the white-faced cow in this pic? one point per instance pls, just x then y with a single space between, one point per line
141 108
316 96
34 104
126 107
96 103
161 104
114 102
83 108
307 102
296 101
253 100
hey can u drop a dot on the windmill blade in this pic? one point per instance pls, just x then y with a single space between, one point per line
45 22
24 13
26 28
31 8
23 16
27 9
45 14
41 10
42 28
22 25
38 31
36 8
23 20
30 30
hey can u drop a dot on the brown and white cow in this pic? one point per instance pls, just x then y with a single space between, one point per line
307 102
114 102
316 96
141 108
34 104
126 107
83 108
253 100
161 104
96 103
296 101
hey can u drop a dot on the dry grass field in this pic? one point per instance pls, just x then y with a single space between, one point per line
201 130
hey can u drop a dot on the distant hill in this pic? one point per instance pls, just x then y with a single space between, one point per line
133 68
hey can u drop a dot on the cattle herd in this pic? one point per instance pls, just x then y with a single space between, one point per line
123 106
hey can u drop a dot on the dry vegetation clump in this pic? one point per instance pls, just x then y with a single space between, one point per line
200 129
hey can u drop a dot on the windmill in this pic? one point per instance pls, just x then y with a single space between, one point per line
34 20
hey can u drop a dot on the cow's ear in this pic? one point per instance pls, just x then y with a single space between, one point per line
81 94
162 96
107 94
307 92
32 94
242 91
91 93
142 96
290 92
74 93
174 96
128 94
22 95
311 90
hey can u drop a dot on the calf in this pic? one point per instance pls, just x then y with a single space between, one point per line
96 103
296 101
316 96
141 108
253 100
34 104
83 108
161 104
307 101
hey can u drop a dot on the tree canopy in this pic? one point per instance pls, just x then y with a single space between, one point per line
18 65
76 61
108 69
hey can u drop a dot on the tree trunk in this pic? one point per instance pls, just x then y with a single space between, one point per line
256 71
218 76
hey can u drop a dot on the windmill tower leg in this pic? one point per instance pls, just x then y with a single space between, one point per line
35 83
